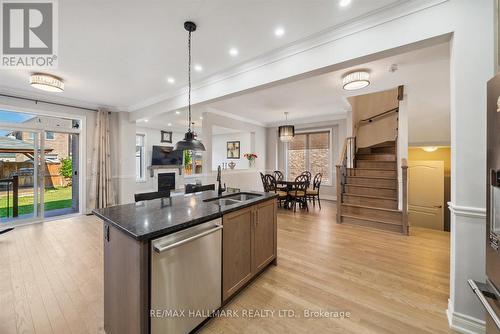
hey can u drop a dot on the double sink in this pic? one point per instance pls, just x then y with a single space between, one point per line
233 198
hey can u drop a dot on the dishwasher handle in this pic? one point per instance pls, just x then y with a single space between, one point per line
160 248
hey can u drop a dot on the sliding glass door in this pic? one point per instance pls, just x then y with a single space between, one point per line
39 168
20 198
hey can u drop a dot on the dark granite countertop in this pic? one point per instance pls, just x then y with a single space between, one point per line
150 219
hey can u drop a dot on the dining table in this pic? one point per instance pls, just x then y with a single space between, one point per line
289 186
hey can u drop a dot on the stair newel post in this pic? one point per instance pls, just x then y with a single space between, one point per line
339 193
404 176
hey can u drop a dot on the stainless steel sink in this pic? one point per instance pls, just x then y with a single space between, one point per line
227 201
233 198
243 196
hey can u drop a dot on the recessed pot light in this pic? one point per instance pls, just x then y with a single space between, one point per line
47 82
201 117
198 68
233 52
169 124
146 120
279 31
170 80
344 3
177 112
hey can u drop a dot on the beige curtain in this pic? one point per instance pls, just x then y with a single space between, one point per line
101 187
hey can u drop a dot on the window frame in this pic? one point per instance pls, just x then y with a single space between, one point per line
53 133
141 178
330 152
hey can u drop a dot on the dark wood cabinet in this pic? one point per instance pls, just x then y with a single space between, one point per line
248 245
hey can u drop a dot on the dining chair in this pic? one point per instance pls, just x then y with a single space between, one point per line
278 175
314 192
298 192
273 187
264 185
309 177
151 195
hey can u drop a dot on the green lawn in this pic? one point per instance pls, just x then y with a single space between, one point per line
58 198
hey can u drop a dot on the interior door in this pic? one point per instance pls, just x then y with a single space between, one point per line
426 194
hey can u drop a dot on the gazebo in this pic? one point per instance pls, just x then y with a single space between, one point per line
11 145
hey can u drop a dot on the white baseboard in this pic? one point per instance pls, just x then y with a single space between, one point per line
465 324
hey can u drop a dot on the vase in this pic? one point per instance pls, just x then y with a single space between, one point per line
251 163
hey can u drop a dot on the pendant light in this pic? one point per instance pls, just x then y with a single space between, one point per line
189 143
286 132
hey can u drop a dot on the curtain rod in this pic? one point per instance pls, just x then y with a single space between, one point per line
46 102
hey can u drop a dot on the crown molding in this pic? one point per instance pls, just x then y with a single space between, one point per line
233 116
21 93
364 22
307 120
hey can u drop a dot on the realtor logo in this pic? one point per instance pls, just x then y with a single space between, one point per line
29 38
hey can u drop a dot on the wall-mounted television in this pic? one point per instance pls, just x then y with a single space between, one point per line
166 156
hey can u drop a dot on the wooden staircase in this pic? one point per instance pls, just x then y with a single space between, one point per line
367 187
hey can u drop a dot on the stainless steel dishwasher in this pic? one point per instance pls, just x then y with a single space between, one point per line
186 278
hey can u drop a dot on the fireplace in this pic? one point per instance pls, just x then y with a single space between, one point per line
166 181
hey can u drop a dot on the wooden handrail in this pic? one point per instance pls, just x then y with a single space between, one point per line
375 117
404 176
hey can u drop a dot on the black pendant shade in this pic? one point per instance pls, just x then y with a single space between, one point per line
189 143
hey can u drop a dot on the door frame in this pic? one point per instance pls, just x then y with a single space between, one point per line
82 191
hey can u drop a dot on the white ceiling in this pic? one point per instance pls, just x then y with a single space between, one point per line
423 72
118 53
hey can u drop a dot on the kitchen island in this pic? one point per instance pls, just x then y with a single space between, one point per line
167 255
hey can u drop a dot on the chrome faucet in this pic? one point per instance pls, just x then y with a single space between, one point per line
220 190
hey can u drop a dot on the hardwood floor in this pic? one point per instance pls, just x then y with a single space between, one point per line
51 279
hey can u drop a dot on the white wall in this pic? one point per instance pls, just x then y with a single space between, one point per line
219 149
258 144
153 138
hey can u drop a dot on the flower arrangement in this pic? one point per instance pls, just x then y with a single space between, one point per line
250 156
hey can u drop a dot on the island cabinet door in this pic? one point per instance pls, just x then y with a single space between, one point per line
264 235
237 244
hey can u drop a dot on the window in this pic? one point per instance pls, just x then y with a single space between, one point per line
140 160
49 135
192 162
310 151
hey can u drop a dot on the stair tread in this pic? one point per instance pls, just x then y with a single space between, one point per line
370 207
382 221
365 186
388 161
373 177
371 196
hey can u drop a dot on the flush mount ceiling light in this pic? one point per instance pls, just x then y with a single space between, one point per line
430 148
47 82
356 80
189 143
286 132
